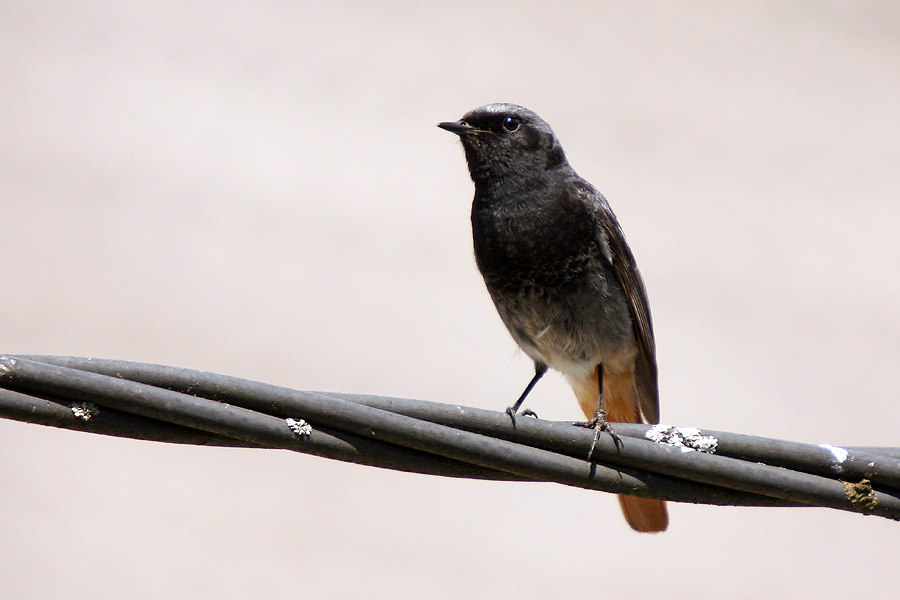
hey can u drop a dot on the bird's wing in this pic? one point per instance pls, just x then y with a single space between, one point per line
615 249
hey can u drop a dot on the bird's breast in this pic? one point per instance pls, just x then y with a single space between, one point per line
554 290
522 246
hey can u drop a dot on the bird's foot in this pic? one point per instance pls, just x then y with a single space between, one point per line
511 411
600 424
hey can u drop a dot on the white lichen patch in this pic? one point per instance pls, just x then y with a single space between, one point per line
301 428
839 454
84 410
686 438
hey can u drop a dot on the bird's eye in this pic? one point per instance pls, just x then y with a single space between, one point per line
511 123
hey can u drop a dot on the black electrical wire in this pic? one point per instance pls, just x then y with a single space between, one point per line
198 407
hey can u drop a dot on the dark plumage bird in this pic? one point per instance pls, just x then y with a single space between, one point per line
561 275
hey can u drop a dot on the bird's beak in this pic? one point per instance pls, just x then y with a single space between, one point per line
460 128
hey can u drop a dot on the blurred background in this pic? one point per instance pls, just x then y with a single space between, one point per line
259 189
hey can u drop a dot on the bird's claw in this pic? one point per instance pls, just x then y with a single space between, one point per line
600 424
512 415
525 413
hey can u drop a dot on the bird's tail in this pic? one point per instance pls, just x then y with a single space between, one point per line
621 403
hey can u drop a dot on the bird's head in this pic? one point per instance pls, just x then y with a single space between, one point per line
506 141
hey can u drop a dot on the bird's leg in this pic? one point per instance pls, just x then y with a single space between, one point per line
599 422
539 370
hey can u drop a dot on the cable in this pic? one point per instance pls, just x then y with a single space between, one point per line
188 406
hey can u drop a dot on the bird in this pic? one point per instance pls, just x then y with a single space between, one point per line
561 275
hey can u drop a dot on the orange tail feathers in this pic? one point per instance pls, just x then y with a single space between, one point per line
645 515
619 396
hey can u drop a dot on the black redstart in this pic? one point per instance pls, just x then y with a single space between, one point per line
561 275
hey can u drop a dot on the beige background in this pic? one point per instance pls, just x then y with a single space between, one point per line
259 189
